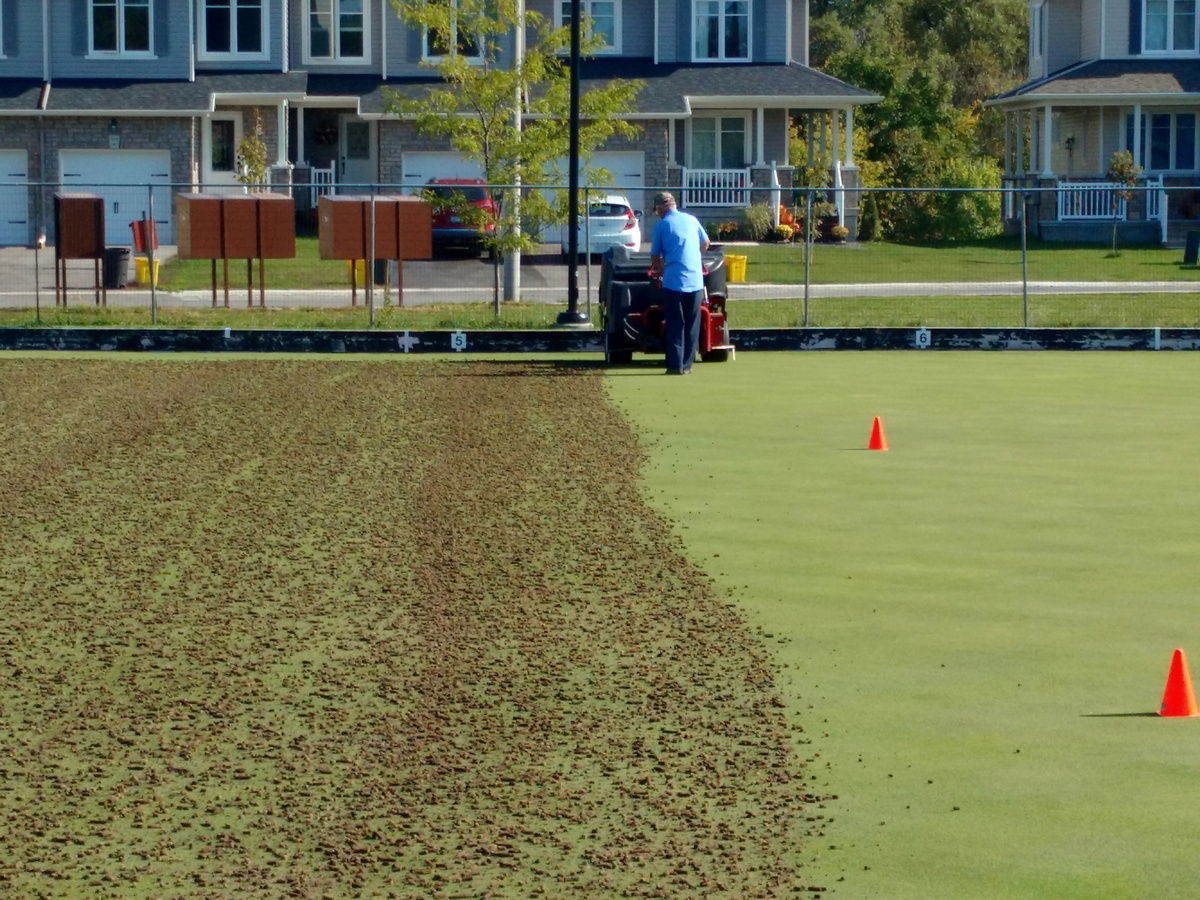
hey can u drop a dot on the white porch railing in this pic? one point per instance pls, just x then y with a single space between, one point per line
1090 200
323 182
716 187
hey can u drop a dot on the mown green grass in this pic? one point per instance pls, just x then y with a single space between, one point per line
997 259
1177 310
973 625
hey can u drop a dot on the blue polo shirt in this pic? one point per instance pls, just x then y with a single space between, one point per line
677 239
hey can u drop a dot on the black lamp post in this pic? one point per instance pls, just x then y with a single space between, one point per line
572 315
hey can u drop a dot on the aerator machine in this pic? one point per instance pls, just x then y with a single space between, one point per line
631 312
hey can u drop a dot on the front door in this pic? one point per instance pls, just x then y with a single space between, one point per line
222 136
356 154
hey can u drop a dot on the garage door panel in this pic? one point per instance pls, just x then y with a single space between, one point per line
123 178
14 198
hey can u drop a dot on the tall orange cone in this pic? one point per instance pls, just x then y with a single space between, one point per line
1179 701
878 441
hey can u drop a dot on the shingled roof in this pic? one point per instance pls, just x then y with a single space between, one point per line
71 95
1120 79
668 90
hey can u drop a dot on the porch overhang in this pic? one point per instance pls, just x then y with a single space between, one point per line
1108 82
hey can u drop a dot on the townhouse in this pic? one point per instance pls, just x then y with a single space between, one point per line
1104 76
134 99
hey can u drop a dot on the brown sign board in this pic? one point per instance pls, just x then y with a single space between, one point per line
403 227
276 226
78 226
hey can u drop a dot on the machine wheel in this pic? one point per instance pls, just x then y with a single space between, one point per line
715 356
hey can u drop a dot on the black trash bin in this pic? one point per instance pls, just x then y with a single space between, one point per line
1191 250
116 267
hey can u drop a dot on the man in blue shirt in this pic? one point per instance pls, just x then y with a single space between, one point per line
675 250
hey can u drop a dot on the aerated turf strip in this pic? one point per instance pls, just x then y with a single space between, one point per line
337 628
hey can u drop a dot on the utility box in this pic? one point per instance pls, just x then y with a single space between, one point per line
78 226
239 227
403 227
198 226
276 226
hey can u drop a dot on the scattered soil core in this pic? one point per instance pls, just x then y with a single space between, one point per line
336 628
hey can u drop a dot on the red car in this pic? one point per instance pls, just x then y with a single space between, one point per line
452 227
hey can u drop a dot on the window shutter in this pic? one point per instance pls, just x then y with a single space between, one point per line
1135 27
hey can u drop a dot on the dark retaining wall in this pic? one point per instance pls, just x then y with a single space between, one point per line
554 341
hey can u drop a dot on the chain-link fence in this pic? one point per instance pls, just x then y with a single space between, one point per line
1085 255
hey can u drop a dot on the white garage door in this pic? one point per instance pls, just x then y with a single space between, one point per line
420 167
14 197
121 178
627 168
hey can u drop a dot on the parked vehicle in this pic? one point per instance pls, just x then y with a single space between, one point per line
463 213
609 222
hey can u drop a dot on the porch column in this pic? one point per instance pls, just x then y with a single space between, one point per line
301 155
1137 134
1100 141
836 120
808 135
1008 163
759 134
1020 143
848 159
1047 144
281 160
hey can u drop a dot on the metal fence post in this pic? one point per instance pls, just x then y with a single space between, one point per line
370 279
808 208
1024 262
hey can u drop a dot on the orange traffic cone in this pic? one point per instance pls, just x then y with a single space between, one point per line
1179 701
878 441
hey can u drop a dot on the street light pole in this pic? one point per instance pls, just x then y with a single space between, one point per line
512 258
572 315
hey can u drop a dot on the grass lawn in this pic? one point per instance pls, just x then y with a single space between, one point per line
1045 311
307 270
998 259
973 626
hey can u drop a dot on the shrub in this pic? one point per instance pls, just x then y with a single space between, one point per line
781 233
759 221
839 232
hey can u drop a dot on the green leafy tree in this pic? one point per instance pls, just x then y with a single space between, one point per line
1123 171
252 166
474 107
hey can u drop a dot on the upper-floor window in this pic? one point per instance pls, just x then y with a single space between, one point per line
454 41
121 26
721 30
233 27
1170 25
337 30
601 18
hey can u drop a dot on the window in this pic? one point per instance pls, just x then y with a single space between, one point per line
600 17
230 27
456 42
721 30
1168 141
718 142
1170 26
223 152
120 26
337 29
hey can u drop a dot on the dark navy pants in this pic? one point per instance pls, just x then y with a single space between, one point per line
682 313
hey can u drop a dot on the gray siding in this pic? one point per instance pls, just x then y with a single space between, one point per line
775 136
69 44
637 28
1063 34
274 61
1089 39
21 39
800 31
